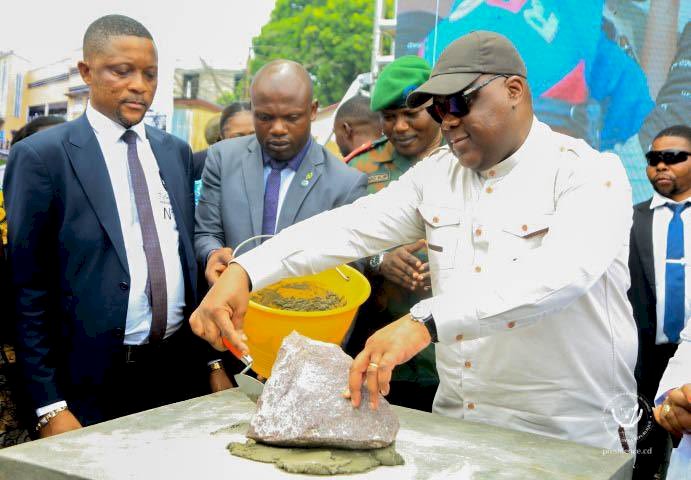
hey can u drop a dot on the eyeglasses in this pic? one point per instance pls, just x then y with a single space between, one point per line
668 157
457 104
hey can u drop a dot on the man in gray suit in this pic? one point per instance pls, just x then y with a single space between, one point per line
260 184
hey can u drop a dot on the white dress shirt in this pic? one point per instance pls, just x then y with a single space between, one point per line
678 373
529 274
114 149
661 218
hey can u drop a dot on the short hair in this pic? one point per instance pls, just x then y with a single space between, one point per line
233 109
35 125
212 131
682 131
99 33
357 108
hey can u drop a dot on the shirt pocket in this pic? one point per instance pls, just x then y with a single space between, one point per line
442 226
522 235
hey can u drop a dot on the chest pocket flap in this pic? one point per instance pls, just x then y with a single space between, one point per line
442 228
436 216
535 226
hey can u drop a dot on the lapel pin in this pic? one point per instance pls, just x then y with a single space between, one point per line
307 179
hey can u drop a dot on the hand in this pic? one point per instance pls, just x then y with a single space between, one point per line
677 420
217 263
423 280
222 311
62 422
393 345
219 381
403 268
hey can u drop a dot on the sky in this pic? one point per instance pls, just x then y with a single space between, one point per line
219 31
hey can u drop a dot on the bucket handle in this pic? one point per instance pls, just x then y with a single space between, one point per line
257 237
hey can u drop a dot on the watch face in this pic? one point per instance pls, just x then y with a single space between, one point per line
420 311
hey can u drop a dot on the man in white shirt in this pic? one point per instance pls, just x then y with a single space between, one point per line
674 407
660 293
527 232
100 217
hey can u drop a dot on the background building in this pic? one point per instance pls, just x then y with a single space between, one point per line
13 70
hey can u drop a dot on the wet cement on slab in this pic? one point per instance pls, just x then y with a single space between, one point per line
317 461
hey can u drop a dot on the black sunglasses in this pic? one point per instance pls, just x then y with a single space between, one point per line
457 104
668 157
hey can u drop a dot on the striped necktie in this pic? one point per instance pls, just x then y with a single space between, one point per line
156 281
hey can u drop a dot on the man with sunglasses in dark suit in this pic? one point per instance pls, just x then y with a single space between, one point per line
527 233
660 293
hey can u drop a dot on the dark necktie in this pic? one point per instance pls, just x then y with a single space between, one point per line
156 280
273 186
675 281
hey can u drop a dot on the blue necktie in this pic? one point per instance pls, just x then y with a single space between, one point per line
273 186
675 287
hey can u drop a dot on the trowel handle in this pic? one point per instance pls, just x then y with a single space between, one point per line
246 359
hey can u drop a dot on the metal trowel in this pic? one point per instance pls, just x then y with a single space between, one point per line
250 386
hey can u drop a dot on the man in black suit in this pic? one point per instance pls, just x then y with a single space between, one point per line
100 221
660 292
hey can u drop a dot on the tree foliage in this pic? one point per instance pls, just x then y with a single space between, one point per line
331 38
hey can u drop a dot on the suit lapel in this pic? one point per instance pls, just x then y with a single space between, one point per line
253 177
306 177
644 240
90 168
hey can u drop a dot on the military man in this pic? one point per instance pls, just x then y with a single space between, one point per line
356 127
400 277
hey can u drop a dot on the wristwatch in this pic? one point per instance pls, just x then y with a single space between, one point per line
375 262
421 312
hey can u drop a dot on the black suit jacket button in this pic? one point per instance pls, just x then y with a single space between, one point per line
119 333
124 286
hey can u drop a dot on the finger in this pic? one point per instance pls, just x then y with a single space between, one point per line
660 417
372 381
356 376
414 247
673 421
424 268
384 372
408 258
408 271
686 391
208 331
221 319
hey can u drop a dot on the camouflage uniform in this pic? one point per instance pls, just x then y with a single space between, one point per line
383 164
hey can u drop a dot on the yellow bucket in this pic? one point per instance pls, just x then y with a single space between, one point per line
266 327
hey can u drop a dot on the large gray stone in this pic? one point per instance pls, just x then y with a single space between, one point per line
302 403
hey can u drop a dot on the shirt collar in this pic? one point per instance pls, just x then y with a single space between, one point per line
108 130
660 201
295 162
504 167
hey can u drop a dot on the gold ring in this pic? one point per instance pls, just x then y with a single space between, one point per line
373 365
666 409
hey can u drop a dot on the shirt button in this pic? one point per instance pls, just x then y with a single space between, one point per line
124 286
471 406
511 324
491 173
478 269
608 183
468 364
478 232
459 338
524 228
489 189
435 220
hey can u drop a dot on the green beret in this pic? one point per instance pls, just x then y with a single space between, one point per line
397 80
